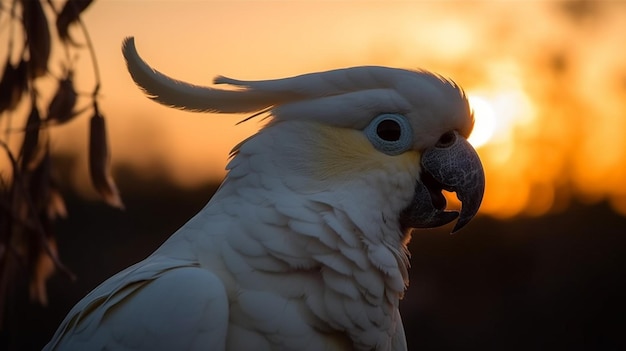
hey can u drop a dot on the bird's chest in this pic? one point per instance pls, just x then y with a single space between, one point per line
287 295
298 311
263 320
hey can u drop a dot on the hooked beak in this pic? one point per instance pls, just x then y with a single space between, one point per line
453 166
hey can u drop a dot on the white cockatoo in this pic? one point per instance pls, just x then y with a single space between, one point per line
303 247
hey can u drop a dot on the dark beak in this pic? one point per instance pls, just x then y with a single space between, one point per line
453 166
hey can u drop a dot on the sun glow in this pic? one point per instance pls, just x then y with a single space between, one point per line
485 120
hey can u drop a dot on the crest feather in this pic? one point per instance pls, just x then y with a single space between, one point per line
347 97
185 96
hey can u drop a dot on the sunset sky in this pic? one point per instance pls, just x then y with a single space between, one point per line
547 81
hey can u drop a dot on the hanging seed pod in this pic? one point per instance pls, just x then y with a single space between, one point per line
13 84
61 108
6 86
69 14
43 268
39 181
99 166
41 250
43 190
20 82
56 204
38 36
30 154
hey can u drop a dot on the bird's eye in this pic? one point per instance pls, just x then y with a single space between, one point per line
390 133
389 130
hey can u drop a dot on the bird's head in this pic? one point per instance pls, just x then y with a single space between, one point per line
408 129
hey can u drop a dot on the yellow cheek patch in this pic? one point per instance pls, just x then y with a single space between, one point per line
341 153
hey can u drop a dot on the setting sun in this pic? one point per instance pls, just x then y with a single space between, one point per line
485 121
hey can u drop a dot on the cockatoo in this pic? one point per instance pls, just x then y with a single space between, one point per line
304 245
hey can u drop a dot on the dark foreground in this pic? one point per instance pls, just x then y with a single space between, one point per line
554 282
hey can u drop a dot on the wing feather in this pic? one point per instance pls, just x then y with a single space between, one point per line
180 308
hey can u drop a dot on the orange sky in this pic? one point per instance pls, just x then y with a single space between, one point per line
552 75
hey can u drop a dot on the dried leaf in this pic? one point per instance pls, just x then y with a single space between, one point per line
30 154
39 182
56 204
20 85
99 166
6 86
26 234
62 105
42 189
13 84
43 267
38 35
69 14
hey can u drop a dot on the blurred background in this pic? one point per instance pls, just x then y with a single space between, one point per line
541 267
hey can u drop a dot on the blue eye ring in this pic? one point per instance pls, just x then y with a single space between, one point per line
390 133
